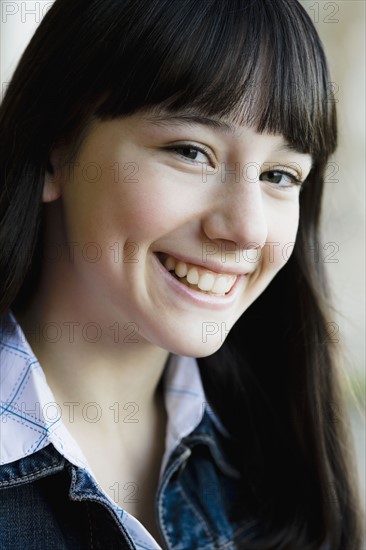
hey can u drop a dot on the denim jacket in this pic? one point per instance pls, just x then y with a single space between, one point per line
48 503
50 499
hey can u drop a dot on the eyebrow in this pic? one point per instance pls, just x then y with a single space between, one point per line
214 123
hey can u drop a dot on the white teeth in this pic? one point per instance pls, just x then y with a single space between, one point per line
181 269
206 281
193 276
230 282
221 285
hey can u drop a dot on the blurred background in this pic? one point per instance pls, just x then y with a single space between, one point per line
341 25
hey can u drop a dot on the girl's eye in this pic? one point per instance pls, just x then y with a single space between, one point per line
194 153
280 178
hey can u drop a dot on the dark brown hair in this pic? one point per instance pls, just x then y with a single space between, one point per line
274 381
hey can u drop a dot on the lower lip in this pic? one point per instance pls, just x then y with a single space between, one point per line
197 297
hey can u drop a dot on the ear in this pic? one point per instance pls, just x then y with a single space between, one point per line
52 187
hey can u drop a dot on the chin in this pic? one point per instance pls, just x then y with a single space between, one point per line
198 348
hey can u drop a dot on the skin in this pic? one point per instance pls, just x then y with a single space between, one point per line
168 208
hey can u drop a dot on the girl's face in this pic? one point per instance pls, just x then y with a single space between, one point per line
200 198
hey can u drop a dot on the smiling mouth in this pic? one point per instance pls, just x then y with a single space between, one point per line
197 277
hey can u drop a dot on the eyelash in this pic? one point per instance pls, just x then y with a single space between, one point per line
296 182
173 148
199 148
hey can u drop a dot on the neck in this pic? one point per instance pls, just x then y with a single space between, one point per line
84 362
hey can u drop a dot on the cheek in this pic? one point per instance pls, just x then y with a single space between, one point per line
155 205
282 236
107 209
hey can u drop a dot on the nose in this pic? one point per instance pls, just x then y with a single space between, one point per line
238 216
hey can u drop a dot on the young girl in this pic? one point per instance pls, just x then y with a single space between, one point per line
167 375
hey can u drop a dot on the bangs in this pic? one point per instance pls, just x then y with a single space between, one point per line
255 63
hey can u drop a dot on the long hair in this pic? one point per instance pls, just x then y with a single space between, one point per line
274 381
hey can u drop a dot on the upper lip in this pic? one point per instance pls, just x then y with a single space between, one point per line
220 269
